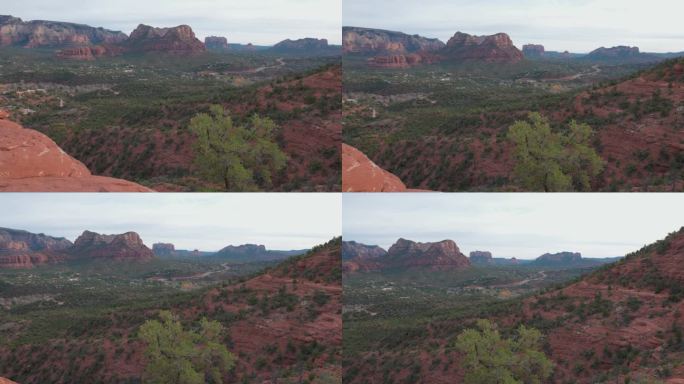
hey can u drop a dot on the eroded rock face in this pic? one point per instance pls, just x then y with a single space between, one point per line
217 43
494 48
360 174
481 257
22 249
6 381
439 255
32 162
163 249
377 41
126 246
354 250
533 50
52 34
89 53
176 40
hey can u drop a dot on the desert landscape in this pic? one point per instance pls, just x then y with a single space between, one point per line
108 308
482 112
129 106
431 312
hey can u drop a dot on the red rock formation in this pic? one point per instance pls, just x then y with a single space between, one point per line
176 40
52 34
89 53
360 174
440 255
216 43
31 162
6 381
614 52
127 246
354 250
396 61
495 48
533 50
22 249
377 41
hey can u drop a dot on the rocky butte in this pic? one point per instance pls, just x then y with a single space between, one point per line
442 255
216 43
51 34
177 40
495 48
354 250
618 52
378 41
126 246
32 162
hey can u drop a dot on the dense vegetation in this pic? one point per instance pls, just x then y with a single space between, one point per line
129 116
444 126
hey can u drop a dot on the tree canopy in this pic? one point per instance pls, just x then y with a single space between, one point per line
548 161
178 356
241 157
490 358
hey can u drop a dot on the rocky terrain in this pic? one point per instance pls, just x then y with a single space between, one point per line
21 249
51 34
623 320
481 257
495 48
176 40
399 50
127 246
376 41
30 161
616 53
282 325
360 174
216 43
403 254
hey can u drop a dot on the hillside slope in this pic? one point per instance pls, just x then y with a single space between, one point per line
283 323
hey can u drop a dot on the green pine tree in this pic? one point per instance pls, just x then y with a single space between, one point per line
177 356
241 157
490 358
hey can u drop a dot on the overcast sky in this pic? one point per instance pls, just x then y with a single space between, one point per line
190 221
574 25
262 22
513 224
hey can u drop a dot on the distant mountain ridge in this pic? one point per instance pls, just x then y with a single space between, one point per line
244 253
22 249
442 255
53 34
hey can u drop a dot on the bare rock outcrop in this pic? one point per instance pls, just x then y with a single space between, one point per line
176 40
53 34
494 48
360 174
440 255
380 42
126 246
216 43
32 162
